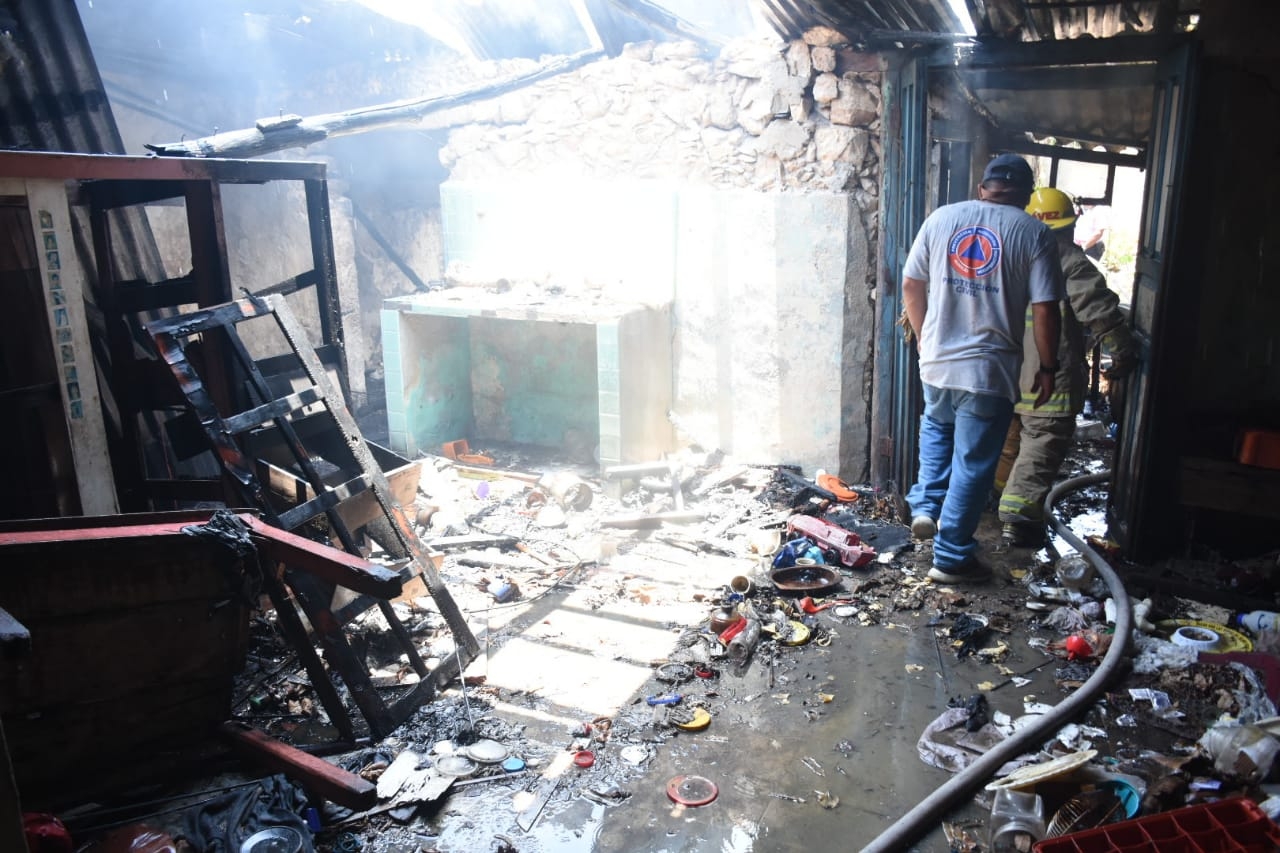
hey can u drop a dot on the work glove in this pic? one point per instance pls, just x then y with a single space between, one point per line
1123 363
1118 343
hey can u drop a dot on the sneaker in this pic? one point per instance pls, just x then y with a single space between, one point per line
972 570
924 527
1023 534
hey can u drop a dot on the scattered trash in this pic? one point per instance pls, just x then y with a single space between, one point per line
277 839
1017 821
700 720
674 673
1243 751
802 578
1074 572
692 790
826 799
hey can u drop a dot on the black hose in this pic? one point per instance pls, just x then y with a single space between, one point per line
915 823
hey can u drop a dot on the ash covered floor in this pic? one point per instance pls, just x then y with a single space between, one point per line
599 616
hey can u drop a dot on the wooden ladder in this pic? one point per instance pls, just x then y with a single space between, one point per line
227 433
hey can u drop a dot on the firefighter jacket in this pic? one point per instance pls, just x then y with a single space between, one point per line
1089 305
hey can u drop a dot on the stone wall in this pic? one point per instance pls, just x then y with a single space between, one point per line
771 154
762 115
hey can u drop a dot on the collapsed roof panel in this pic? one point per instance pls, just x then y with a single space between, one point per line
1109 103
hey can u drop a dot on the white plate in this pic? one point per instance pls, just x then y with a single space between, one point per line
455 765
1025 777
487 751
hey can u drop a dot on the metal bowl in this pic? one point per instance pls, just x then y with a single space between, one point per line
805 578
277 839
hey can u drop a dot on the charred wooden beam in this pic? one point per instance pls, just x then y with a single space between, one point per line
330 564
315 774
253 141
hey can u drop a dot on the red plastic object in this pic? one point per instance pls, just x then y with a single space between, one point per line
1227 826
836 486
808 605
832 537
692 790
732 631
1260 448
584 758
45 833
1078 647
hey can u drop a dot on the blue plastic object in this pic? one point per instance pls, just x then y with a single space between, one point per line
787 554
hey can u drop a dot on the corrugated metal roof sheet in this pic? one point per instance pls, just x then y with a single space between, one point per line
879 21
1042 20
53 98
861 21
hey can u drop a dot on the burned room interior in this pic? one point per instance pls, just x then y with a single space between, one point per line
484 425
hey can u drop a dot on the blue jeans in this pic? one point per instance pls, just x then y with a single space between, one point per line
961 434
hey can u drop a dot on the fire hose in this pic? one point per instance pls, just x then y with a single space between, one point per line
914 824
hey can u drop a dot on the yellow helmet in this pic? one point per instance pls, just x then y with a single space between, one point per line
1052 207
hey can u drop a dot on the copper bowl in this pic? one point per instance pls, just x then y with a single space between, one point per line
805 578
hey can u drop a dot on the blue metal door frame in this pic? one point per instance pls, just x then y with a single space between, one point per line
898 400
1141 485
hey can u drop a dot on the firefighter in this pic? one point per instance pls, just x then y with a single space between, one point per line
1039 438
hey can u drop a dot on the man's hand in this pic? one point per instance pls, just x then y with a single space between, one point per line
1043 386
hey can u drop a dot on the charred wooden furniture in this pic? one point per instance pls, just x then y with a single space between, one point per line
137 634
155 462
138 627
275 417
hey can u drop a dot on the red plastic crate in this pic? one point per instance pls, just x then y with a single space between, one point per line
1227 826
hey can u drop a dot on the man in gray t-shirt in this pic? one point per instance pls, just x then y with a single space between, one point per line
971 272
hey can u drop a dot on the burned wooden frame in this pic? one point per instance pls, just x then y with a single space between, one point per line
312 590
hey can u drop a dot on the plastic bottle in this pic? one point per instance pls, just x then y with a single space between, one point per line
1017 821
1074 572
1258 620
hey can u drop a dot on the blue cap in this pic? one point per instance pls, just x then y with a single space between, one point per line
1011 169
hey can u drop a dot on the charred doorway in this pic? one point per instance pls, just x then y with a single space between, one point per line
1103 105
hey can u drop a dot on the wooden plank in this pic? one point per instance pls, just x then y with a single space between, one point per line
290 285
252 142
113 653
321 504
137 296
71 580
81 399
315 774
84 167
330 564
358 510
68 752
267 412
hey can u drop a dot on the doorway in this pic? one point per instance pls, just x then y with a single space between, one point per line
1098 112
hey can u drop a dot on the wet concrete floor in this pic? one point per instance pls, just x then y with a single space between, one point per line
836 723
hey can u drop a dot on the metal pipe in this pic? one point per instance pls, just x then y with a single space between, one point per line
914 824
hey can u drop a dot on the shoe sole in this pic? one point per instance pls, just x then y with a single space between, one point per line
943 576
924 527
